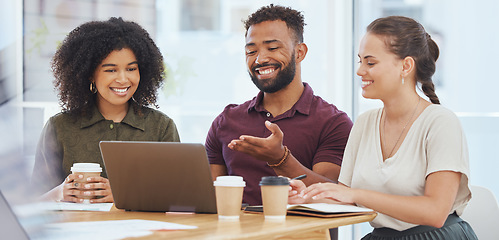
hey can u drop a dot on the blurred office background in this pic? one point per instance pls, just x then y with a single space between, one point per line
203 45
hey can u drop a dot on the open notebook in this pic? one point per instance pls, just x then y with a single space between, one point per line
319 210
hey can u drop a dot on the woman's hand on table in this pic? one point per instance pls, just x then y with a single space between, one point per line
329 191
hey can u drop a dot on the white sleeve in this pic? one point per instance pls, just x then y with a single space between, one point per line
446 146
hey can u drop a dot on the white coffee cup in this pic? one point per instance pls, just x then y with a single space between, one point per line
86 167
229 193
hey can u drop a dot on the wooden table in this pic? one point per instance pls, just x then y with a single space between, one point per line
250 226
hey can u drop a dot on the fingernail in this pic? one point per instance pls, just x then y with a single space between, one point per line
89 179
87 185
86 193
314 197
80 176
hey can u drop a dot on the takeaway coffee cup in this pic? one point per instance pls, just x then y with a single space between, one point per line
274 197
229 194
87 170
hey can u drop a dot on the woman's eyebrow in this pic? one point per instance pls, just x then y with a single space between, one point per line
114 65
366 57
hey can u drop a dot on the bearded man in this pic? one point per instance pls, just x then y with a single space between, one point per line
285 130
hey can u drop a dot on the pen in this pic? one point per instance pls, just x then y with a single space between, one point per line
300 177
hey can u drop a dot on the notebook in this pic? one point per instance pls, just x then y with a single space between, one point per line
10 228
159 176
319 210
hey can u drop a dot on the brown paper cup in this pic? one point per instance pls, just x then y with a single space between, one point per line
229 194
229 200
275 202
87 170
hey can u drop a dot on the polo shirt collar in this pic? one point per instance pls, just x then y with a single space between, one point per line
131 118
256 103
302 105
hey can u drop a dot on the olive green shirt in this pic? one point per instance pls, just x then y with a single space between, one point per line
67 139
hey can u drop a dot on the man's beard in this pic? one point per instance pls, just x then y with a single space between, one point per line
283 78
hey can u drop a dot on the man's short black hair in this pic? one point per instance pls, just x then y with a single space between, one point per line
293 19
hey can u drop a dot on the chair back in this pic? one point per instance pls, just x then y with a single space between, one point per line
482 213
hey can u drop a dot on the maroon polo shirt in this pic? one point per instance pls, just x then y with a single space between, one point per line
314 130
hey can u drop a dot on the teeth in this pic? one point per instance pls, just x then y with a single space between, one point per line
366 83
120 90
266 71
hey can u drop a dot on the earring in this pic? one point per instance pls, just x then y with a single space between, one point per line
403 81
93 89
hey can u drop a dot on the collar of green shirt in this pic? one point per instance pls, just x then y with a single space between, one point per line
133 119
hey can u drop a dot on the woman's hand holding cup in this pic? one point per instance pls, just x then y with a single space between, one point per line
85 185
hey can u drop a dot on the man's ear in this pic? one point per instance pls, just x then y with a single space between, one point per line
301 51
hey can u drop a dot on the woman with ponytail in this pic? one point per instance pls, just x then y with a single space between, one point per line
408 160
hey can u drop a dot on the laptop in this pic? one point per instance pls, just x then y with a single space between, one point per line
10 228
159 176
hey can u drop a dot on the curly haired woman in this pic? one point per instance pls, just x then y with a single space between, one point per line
107 74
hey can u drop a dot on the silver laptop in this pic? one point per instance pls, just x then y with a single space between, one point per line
159 176
10 228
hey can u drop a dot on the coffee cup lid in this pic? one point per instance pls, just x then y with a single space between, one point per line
229 181
274 180
86 167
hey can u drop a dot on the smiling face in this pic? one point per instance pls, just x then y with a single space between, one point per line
270 55
380 69
116 79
